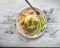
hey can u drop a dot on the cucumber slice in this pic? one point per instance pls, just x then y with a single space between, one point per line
42 21
35 31
40 27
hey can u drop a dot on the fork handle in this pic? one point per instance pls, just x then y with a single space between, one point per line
30 5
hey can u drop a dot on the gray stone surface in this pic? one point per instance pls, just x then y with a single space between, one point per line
9 37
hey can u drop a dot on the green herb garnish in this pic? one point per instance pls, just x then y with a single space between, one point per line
30 22
35 22
26 25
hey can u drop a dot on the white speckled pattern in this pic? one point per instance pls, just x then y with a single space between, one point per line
9 37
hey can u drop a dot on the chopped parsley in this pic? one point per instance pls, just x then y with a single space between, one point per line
30 22
35 22
26 25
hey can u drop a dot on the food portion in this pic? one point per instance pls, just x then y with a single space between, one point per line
30 23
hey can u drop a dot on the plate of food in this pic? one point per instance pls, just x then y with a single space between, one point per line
29 24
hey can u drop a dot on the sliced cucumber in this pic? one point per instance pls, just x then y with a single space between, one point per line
35 31
40 27
43 20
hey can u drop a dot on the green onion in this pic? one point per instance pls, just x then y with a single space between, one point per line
34 31
30 22
26 25
35 22
39 26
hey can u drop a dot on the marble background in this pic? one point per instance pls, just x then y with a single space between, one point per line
9 37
